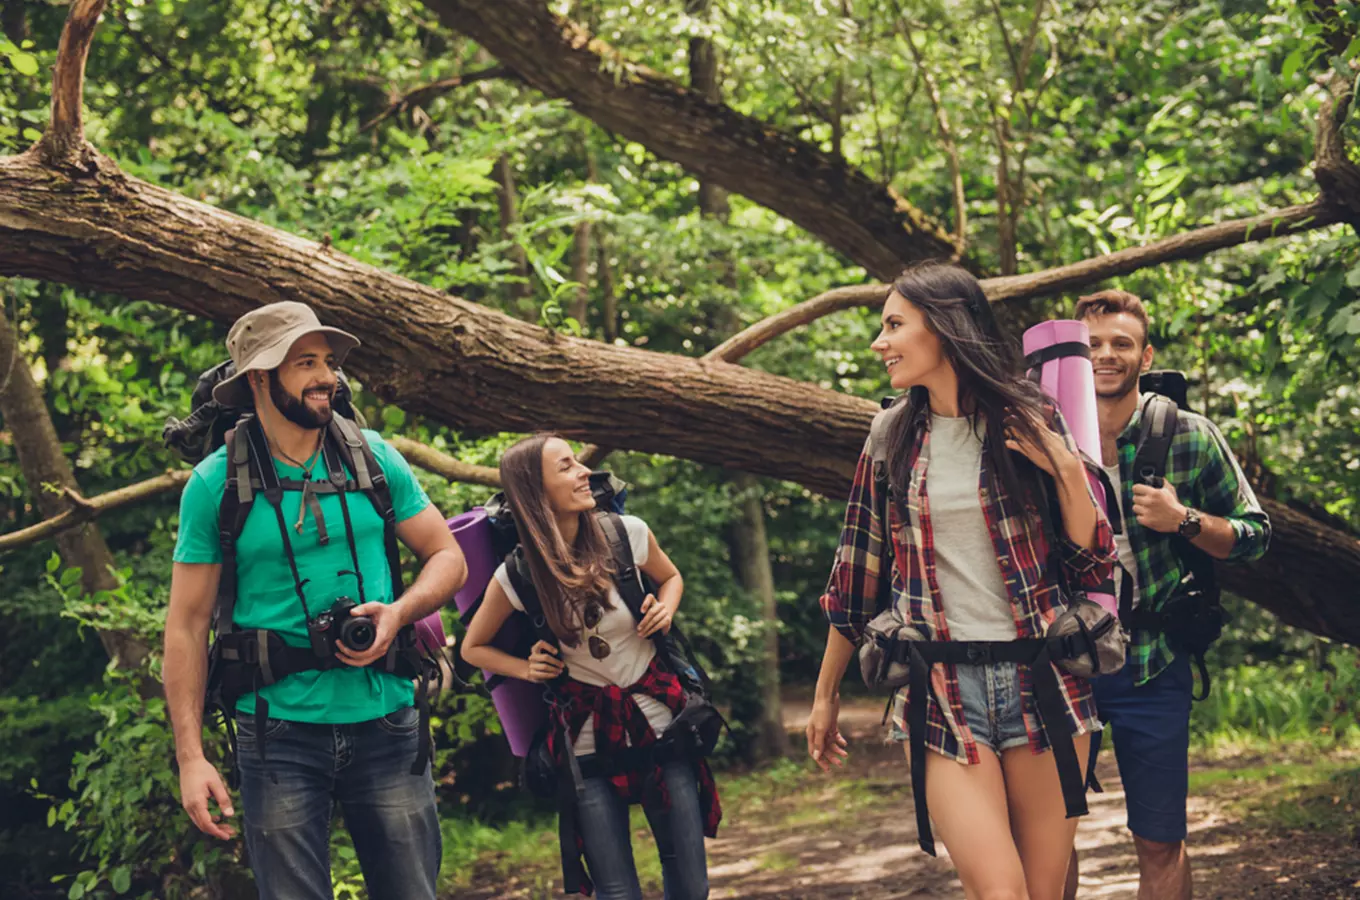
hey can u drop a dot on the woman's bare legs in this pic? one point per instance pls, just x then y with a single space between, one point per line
968 808
1038 819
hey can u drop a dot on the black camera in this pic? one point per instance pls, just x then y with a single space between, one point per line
337 626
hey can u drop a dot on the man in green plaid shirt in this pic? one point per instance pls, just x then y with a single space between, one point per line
1205 500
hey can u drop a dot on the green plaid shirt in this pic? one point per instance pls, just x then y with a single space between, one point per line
1207 478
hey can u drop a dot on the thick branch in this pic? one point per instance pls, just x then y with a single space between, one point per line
66 133
869 223
766 330
84 509
432 460
433 354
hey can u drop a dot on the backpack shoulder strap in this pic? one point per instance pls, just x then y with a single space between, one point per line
517 567
627 578
356 453
1154 442
238 495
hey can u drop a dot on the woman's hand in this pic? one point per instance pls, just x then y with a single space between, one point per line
656 616
1051 448
543 663
826 744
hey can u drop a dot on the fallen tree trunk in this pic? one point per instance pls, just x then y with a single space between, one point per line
424 350
68 215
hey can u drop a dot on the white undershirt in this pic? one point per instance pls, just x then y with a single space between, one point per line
1127 561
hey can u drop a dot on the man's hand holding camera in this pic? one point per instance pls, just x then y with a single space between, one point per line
388 619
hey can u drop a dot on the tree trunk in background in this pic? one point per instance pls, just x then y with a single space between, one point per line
508 200
47 475
752 547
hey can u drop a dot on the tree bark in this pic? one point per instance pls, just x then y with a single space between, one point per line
752 549
703 78
49 479
429 352
869 223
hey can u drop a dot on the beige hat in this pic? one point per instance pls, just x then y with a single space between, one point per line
260 341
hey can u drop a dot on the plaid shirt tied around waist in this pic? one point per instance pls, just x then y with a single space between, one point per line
1022 553
620 723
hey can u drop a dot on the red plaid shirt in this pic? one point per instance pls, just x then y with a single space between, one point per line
620 723
1022 554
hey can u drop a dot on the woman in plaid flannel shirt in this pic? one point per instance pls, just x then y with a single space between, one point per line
973 565
615 694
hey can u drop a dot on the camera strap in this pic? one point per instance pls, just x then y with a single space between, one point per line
273 492
339 480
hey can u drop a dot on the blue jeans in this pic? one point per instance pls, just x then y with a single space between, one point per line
990 694
366 769
679 833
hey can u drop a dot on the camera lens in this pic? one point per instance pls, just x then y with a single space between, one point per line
358 633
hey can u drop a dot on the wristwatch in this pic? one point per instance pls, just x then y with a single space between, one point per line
1191 525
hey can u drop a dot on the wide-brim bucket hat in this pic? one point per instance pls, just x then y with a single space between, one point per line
260 341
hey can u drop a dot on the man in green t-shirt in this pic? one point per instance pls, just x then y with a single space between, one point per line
345 734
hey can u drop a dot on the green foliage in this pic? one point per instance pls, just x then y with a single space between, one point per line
1307 699
124 797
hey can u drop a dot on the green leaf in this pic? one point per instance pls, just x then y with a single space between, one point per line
77 890
53 563
121 879
393 417
32 134
25 63
1292 62
51 816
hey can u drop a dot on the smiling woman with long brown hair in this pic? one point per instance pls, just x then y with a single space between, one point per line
964 456
616 693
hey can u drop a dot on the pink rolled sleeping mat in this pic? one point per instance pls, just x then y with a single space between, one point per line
1058 356
519 704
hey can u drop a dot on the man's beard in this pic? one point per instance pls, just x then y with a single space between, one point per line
295 409
1125 388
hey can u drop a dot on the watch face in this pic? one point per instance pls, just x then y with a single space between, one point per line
1190 527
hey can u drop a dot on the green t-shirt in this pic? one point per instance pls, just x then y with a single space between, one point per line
266 597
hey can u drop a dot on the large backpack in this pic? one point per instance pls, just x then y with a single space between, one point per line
1193 617
242 662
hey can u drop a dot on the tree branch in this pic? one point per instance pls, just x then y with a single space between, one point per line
440 463
946 138
84 509
872 225
419 96
65 135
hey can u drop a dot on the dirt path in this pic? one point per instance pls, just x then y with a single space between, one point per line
852 834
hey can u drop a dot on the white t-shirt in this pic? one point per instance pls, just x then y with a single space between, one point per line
629 654
1127 561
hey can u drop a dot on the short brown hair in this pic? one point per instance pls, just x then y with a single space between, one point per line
1112 302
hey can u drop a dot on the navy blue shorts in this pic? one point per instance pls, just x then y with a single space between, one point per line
1151 727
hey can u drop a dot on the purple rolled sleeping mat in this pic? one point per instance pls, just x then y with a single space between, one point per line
1058 356
519 704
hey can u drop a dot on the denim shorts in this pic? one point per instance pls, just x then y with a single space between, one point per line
991 705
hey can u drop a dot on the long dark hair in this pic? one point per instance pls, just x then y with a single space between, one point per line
992 383
565 577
